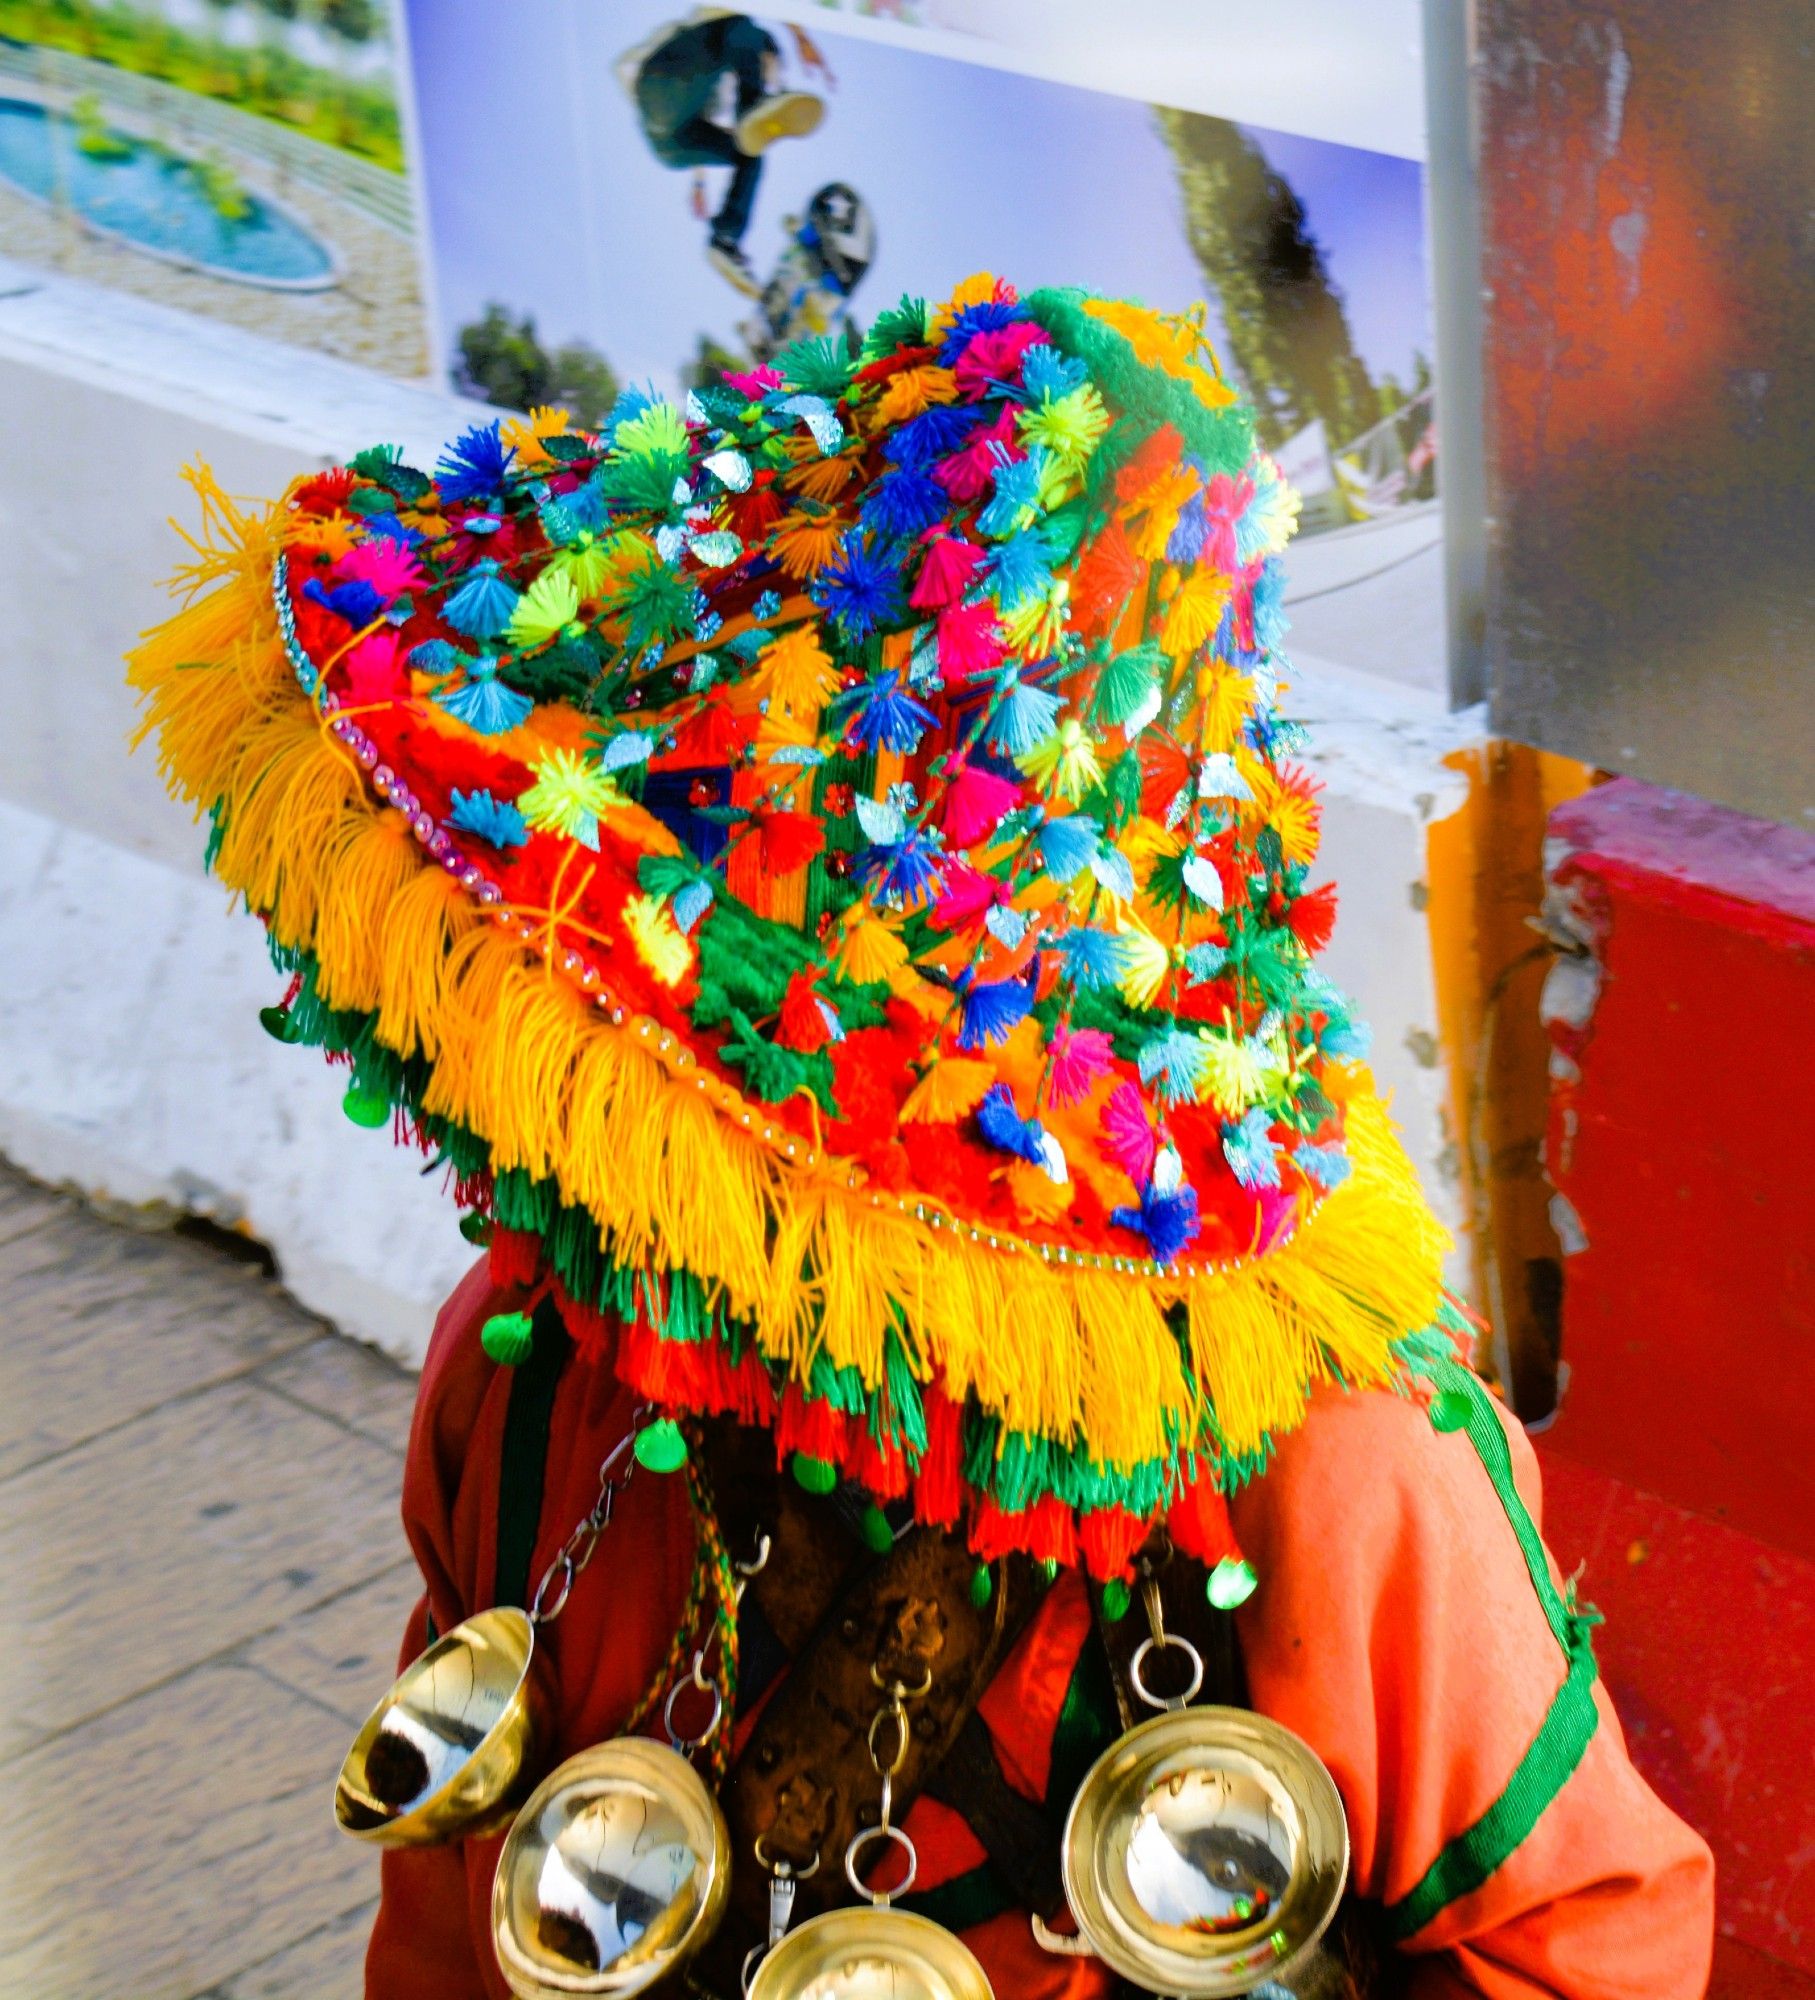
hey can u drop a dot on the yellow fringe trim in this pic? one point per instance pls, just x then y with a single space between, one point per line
679 1169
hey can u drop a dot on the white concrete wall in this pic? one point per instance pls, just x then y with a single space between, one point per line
131 1059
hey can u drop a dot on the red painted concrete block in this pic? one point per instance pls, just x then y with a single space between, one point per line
1682 1143
1707 1652
1681 1464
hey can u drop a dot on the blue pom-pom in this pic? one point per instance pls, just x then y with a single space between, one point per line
904 504
474 465
483 702
493 820
933 434
482 606
991 1012
357 602
1005 1129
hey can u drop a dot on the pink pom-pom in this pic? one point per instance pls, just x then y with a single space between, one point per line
967 473
968 895
970 642
1128 1139
372 671
1079 1057
975 802
996 356
946 574
387 565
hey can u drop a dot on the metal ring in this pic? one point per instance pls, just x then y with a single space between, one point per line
859 1841
1183 1700
896 1714
897 1688
675 1737
541 1614
774 1867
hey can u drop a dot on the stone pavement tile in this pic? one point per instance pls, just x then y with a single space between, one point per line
343 1654
163 1848
103 1323
328 1964
187 1532
24 1206
350 1383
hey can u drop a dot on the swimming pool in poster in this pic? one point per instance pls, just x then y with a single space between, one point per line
158 200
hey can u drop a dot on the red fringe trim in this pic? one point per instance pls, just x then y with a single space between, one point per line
1199 1523
939 1485
1109 1538
516 1256
1047 1532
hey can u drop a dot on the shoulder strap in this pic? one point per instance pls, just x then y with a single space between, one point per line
523 1457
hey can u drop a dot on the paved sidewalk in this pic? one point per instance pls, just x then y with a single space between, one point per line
203 1583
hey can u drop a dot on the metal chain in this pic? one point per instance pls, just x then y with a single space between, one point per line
576 1552
890 1728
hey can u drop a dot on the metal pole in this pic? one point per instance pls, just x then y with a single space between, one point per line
1459 319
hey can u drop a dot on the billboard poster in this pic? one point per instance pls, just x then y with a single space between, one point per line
243 159
640 194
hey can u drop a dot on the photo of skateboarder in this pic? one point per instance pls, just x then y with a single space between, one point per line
710 92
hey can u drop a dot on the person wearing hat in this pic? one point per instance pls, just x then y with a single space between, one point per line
827 873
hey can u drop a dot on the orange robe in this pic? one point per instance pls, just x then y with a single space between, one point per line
1395 1628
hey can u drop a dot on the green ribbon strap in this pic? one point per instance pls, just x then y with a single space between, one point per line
1462 1404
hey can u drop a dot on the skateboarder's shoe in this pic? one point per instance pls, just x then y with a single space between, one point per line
790 114
729 261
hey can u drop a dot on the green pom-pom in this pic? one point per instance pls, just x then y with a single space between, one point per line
508 1337
878 1536
1231 1583
1116 1599
370 1108
814 1475
660 1447
278 1024
476 1228
1450 1410
983 1585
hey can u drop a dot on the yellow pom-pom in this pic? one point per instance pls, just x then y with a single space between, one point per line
658 940
1145 964
1192 616
870 953
950 1090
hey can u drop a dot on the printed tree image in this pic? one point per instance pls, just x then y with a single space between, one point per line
502 361
1288 334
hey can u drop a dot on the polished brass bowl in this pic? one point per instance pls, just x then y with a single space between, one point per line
869 1954
1206 1852
615 1872
443 1756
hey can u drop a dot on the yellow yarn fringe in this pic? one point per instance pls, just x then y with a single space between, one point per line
681 1171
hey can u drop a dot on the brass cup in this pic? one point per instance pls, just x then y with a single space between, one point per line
442 1755
870 1954
1205 1853
616 1871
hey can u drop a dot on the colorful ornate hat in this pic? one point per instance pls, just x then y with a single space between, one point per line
824 866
